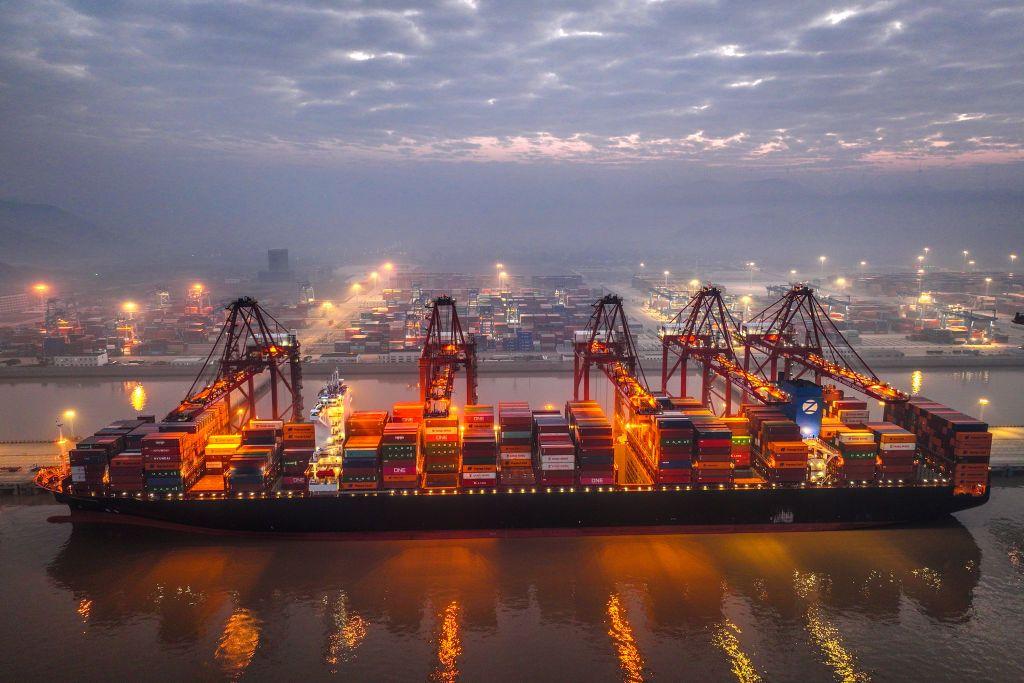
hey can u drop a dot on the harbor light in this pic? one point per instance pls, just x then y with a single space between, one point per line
666 277
41 288
129 307
356 287
374 275
70 416
982 402
389 266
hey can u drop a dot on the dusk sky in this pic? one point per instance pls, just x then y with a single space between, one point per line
332 116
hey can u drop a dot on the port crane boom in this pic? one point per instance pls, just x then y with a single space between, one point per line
704 331
250 342
608 344
445 350
797 331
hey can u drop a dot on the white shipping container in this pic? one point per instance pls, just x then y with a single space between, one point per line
898 446
855 437
483 476
557 466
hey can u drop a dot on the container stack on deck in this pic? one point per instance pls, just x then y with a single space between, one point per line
592 433
673 448
171 461
897 452
712 451
955 445
778 454
739 428
255 465
440 452
298 448
219 451
479 448
400 455
360 468
515 436
554 453
858 454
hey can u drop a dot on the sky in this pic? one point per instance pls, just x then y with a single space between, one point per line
514 122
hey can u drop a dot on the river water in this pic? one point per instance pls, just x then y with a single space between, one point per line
943 602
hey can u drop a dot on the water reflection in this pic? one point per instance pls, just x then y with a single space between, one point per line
621 633
916 382
347 631
137 397
238 643
744 606
449 645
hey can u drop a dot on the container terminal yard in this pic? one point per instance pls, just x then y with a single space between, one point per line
775 431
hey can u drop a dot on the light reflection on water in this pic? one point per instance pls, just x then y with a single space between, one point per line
747 606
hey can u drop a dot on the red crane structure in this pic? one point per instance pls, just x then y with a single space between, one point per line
608 344
445 350
250 342
797 332
705 332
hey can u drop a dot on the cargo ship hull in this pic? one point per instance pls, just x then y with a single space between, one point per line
383 512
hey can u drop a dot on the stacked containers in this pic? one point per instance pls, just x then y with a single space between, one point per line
595 451
849 411
857 455
127 472
407 412
712 451
171 461
400 453
555 453
89 460
673 447
360 466
897 451
254 466
778 452
219 451
299 446
479 447
953 444
441 452
739 427
515 425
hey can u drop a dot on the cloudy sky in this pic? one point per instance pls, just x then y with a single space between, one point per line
299 95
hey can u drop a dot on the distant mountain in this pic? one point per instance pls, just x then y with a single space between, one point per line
30 233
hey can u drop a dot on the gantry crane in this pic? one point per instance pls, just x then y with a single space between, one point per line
797 331
445 350
608 344
704 331
250 342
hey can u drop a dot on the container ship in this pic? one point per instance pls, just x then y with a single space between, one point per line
798 451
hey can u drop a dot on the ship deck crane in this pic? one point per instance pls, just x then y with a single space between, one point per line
445 350
250 342
704 331
608 344
797 331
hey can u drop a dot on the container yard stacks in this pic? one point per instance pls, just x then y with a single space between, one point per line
554 451
739 427
897 452
515 437
595 451
858 454
361 452
441 452
479 448
778 454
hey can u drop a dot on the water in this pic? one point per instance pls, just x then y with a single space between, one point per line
31 409
935 603
942 602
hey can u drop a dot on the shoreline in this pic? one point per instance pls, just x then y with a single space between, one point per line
515 367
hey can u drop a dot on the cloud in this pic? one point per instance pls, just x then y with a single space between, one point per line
610 82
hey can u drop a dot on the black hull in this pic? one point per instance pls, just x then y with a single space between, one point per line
382 513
